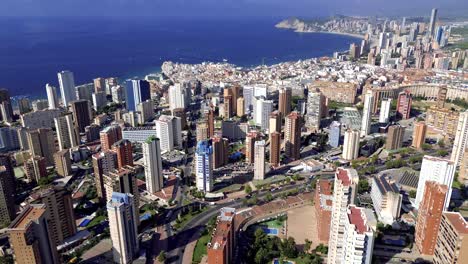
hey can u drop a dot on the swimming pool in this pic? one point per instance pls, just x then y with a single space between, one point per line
270 231
276 261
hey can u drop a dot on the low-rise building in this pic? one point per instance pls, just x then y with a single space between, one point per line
386 199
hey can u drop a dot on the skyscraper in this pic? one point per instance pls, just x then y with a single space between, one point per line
385 110
63 163
386 199
344 194
461 139
220 151
103 163
452 239
429 217
169 131
99 85
99 100
81 110
419 135
438 170
275 122
259 163
222 244
250 146
441 97
335 134
153 164
204 166
7 194
6 108
123 149
202 130
52 97
404 104
136 92
109 135
263 108
123 181
314 110
240 107
66 132
42 143
146 110
210 123
367 114
395 137
358 238
179 97
29 237
284 102
275 147
432 23
35 168
123 221
67 87
292 136
351 145
59 208
228 103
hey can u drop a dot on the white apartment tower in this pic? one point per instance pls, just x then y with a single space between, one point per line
435 169
179 97
386 199
263 108
351 145
344 194
367 114
385 110
259 161
153 164
67 134
358 240
52 97
67 87
165 133
123 227
204 166
461 138
314 110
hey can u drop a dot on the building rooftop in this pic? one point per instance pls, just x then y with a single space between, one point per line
384 186
344 176
227 213
204 148
356 217
457 221
31 213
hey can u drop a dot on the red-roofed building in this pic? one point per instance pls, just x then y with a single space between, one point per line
358 239
323 201
221 247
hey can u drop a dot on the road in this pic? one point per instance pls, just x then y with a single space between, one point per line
191 229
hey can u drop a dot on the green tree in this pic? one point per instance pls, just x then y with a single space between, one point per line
441 143
261 256
248 189
288 248
162 256
442 153
426 146
307 245
412 194
363 186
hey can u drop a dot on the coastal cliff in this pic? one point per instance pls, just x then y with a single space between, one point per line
351 26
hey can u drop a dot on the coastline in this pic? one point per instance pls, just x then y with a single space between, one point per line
333 32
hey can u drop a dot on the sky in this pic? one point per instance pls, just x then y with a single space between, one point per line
229 8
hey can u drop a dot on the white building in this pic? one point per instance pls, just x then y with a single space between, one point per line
263 108
435 169
118 94
138 134
146 110
179 96
84 91
153 164
39 119
204 166
67 134
259 161
367 114
351 145
123 219
461 139
385 110
386 199
314 110
67 87
358 238
52 97
169 131
344 194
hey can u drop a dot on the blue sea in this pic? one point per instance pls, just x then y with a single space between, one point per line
33 50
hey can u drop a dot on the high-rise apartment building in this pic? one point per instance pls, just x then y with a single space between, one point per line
63 163
323 201
441 97
109 135
59 208
52 97
180 113
250 146
385 110
222 244
220 151
204 166
67 87
92 132
123 225
367 114
284 102
429 217
81 110
435 169
146 110
67 134
210 123
99 85
395 137
7 194
240 107
169 131
103 163
351 145
153 164
202 130
463 172
452 239
404 104
136 92
386 199
263 108
275 149
179 96
314 110
432 23
275 122
123 149
344 194
99 100
42 143
123 181
30 239
292 136
259 160
461 139
419 135
358 239
335 134
228 103
35 168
